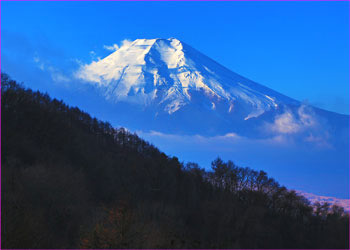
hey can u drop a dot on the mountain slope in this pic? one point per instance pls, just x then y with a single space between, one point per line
168 82
168 72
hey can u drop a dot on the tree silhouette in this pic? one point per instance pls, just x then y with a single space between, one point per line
70 180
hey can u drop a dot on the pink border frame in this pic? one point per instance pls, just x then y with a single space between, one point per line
167 1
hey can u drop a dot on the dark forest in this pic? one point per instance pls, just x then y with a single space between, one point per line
73 181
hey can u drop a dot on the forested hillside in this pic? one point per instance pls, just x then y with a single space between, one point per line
72 181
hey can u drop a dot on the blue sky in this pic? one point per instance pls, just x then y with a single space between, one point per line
300 49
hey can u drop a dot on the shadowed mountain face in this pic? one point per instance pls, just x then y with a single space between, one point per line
168 86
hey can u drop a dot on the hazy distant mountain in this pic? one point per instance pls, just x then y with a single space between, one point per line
322 199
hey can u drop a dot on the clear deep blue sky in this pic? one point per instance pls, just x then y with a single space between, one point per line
300 49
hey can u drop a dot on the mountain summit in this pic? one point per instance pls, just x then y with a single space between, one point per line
170 73
176 84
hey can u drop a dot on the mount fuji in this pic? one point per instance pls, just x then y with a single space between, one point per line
169 86
190 106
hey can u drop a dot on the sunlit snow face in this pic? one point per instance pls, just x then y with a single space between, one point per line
167 71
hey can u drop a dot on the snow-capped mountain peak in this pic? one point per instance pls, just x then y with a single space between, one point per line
178 95
169 73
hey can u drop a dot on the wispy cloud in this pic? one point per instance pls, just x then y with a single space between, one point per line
291 123
301 125
113 47
226 142
94 56
298 160
58 77
126 42
91 72
289 134
55 73
286 124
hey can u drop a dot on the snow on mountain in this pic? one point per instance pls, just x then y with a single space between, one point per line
164 85
169 73
345 203
179 85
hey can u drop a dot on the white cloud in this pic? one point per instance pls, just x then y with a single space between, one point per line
286 124
227 141
125 42
303 125
307 116
113 47
91 72
292 123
